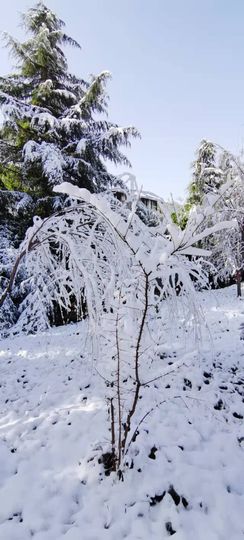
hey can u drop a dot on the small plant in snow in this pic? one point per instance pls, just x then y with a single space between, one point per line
100 249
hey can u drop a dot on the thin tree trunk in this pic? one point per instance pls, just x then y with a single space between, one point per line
242 248
12 278
240 270
137 354
238 283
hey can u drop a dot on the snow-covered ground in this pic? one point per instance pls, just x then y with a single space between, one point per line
185 474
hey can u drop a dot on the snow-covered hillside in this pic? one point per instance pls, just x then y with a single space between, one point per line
185 474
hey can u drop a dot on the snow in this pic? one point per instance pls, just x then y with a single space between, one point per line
112 131
50 157
182 241
43 120
54 427
81 146
23 204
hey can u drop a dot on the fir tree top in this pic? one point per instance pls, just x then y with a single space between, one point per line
42 53
52 127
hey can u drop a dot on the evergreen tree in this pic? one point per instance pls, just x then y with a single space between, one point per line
207 176
214 167
54 128
210 170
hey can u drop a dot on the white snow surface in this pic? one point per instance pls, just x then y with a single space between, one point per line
54 426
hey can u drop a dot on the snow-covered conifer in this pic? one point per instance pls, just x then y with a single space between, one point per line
216 168
207 175
54 127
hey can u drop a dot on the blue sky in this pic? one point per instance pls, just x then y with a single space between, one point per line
177 69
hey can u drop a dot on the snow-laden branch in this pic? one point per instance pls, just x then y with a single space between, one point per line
180 242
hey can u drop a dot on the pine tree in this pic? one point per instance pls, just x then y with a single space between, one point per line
54 127
207 176
214 167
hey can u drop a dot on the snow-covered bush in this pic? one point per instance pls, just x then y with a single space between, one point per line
100 249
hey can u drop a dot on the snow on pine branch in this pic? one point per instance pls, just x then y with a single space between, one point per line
50 157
